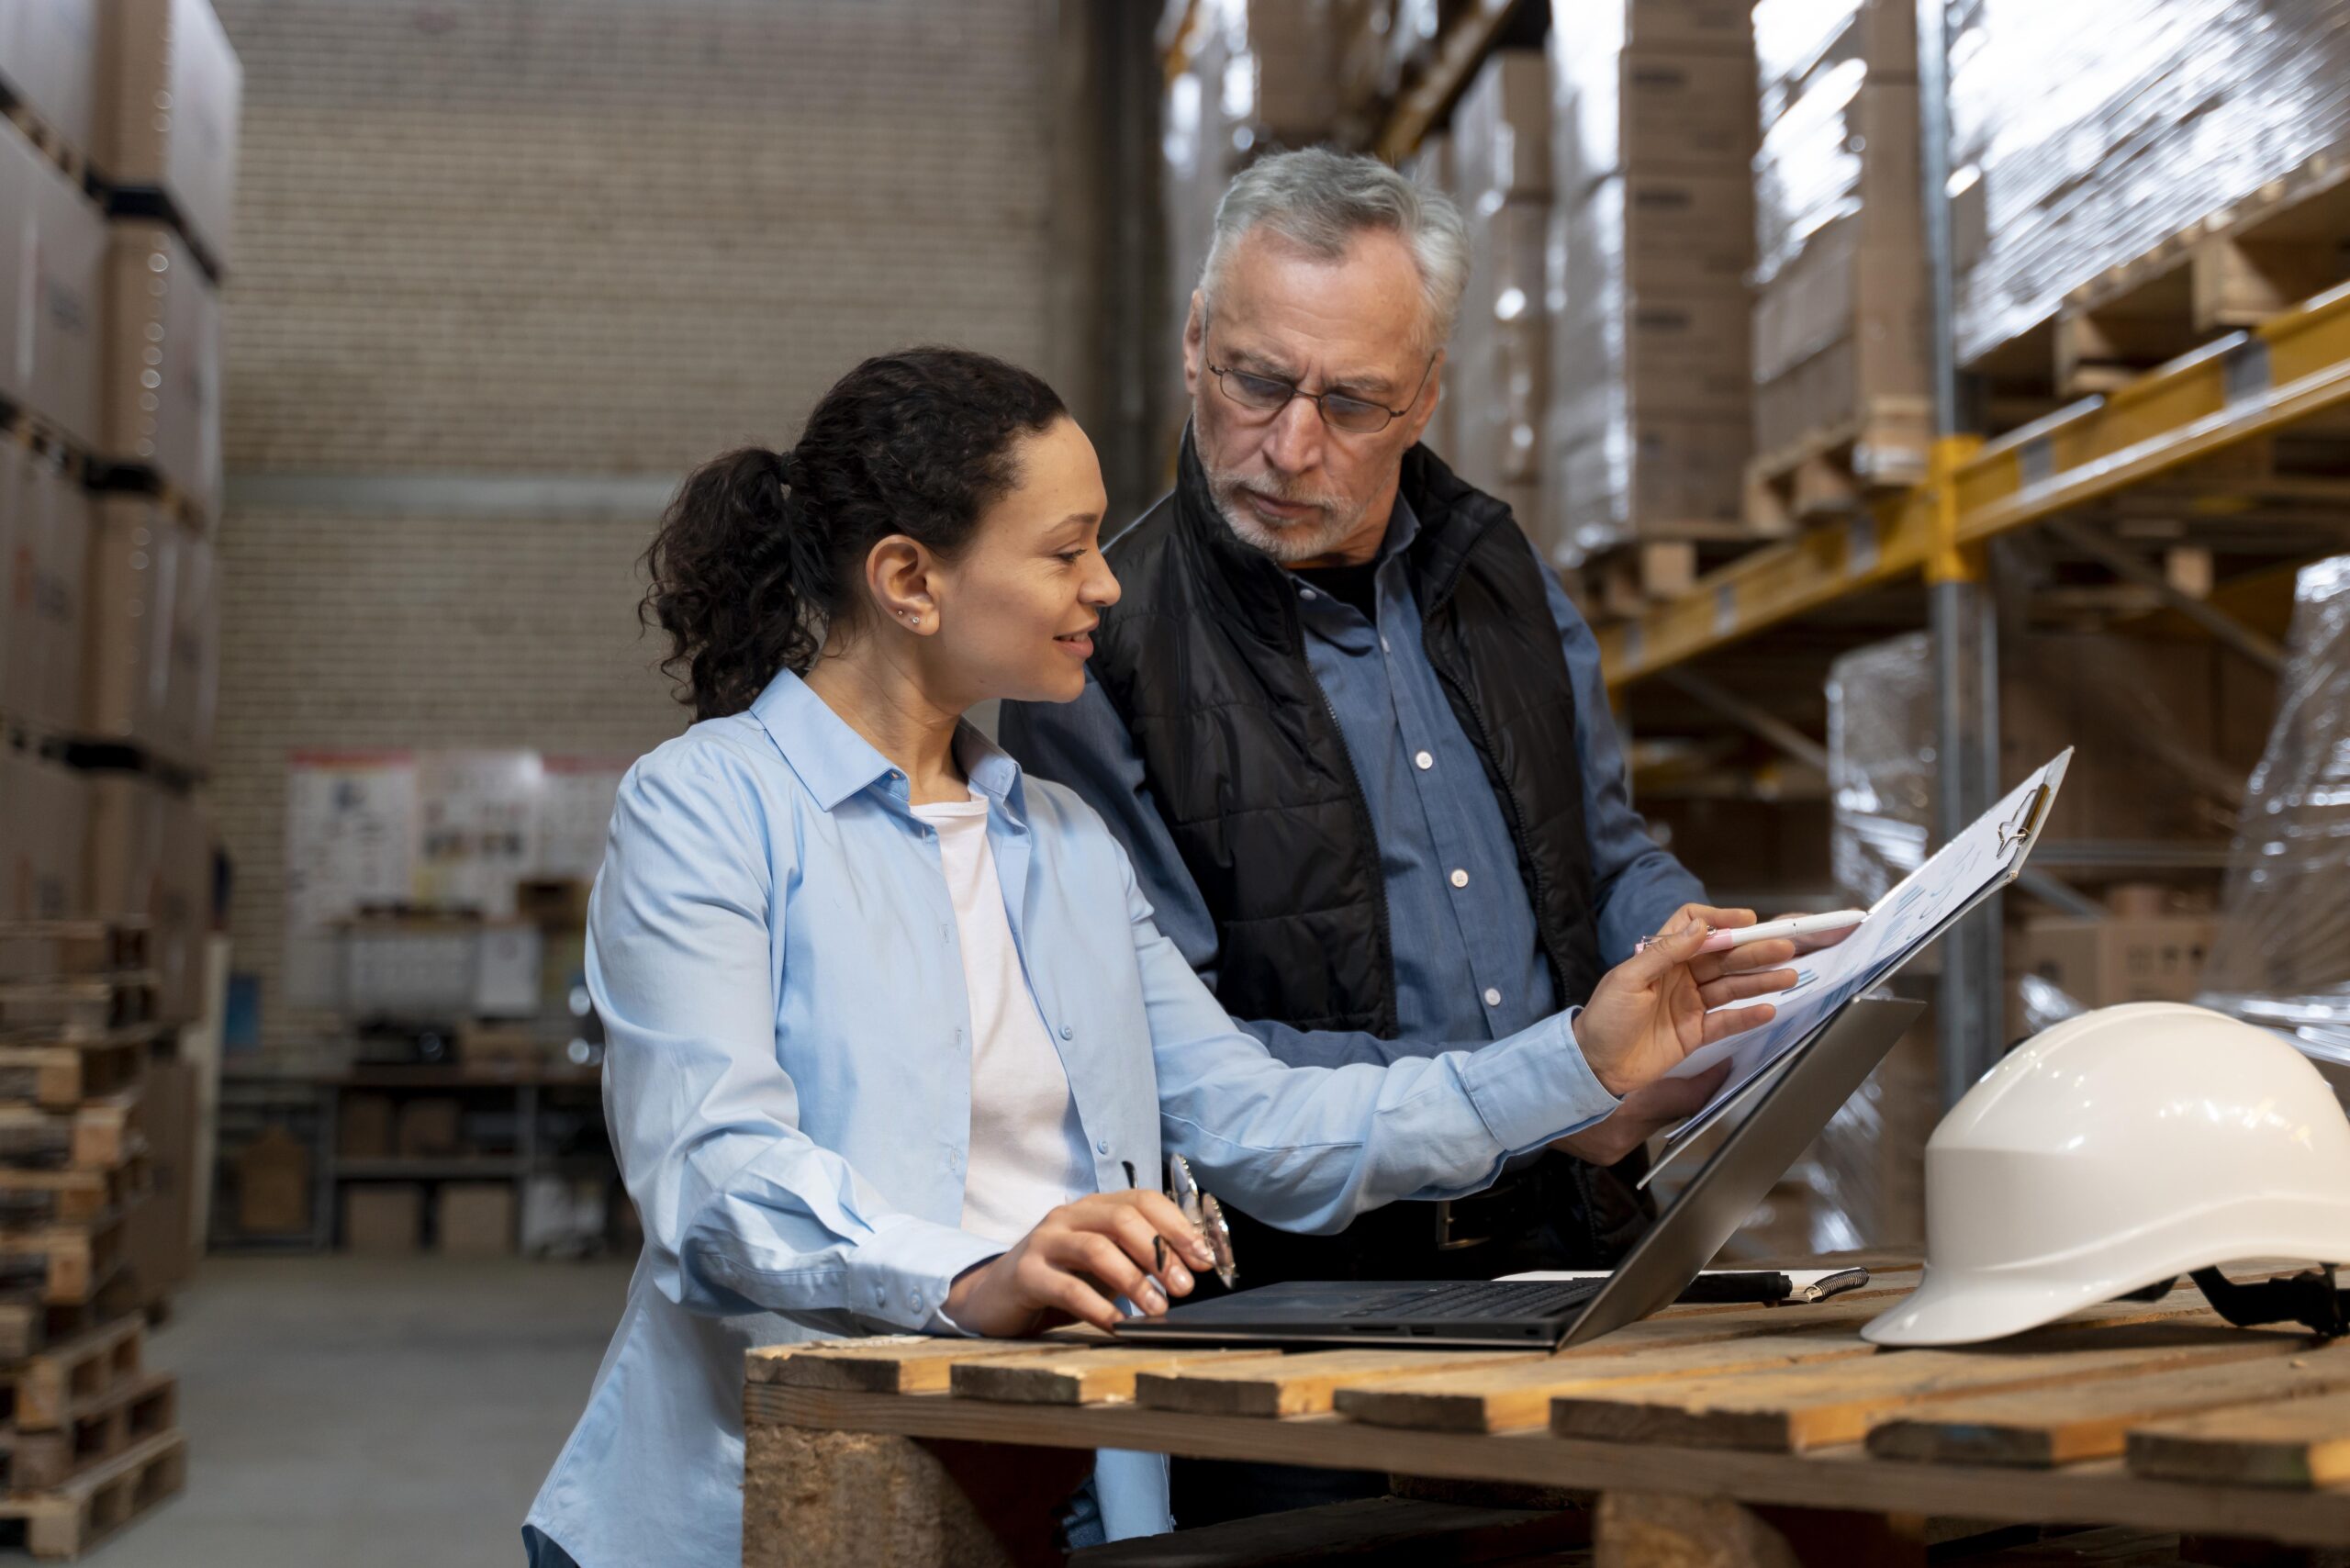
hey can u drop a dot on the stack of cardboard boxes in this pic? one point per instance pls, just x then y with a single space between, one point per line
1498 372
1651 240
1842 317
116 174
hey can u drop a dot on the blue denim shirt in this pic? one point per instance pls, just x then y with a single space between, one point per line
773 950
1469 963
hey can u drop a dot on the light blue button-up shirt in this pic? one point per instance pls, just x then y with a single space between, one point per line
773 950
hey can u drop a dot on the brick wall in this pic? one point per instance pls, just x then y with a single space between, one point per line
494 237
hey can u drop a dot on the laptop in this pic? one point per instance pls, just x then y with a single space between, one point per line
1789 1089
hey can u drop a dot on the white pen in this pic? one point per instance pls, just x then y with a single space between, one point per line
1800 925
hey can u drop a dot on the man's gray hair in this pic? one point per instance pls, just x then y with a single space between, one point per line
1321 199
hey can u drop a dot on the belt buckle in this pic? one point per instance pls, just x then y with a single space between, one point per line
1447 1215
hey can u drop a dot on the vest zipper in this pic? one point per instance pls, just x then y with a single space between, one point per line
1369 828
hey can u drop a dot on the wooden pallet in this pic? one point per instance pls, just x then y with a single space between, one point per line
59 949
75 1196
44 1389
74 1259
1837 471
85 1510
96 1429
98 1135
78 1008
62 1075
2155 1416
2281 244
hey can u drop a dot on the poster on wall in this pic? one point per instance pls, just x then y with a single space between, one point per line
576 812
435 829
476 828
350 841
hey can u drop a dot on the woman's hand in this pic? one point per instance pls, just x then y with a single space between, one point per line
1649 1011
1645 1112
1078 1261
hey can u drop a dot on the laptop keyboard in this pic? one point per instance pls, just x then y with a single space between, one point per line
1476 1300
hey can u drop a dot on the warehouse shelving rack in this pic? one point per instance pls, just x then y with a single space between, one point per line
2169 434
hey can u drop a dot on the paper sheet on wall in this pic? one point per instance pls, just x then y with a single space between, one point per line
1987 855
350 840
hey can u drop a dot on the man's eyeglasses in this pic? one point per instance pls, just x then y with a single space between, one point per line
1271 394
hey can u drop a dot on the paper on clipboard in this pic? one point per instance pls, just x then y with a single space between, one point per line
1983 857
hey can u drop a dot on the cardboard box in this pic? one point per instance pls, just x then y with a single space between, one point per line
170 89
476 1219
2118 958
159 1238
383 1219
1699 26
162 375
43 810
430 1126
53 252
151 660
1654 476
1803 39
48 62
148 855
273 1186
44 557
364 1127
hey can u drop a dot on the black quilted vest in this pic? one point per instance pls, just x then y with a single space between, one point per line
1205 659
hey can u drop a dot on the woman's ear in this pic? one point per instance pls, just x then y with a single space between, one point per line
897 573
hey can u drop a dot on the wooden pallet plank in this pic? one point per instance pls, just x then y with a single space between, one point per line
1796 1409
1372 1530
1077 1377
2296 1446
1302 1382
2064 1426
886 1364
54 949
1508 1399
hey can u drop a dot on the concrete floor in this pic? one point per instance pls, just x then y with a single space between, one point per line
368 1413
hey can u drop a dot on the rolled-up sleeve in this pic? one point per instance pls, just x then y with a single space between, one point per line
741 1211
1310 1148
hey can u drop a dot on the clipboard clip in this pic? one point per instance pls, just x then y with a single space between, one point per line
2018 830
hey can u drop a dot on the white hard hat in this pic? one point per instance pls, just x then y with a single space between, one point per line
2115 1151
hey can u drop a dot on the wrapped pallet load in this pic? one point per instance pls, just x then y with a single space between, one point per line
1650 238
2281 956
1496 369
1843 389
2086 137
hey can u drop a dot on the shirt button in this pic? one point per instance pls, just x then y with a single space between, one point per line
1306 593
1460 879
1102 1147
1423 761
1493 997
1067 1033
1384 647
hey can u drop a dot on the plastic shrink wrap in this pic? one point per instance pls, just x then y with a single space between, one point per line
2085 135
1650 238
2281 956
1840 320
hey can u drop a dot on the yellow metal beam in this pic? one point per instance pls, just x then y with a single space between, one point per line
2245 385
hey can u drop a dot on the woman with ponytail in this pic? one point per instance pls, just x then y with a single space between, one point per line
894 1046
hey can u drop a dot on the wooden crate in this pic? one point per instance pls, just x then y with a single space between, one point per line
98 1135
2153 1415
77 1007
58 1075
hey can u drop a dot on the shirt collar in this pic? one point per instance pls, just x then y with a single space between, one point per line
836 762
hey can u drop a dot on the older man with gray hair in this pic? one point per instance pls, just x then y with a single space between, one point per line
1354 737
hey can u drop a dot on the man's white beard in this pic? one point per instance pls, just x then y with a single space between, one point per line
1285 543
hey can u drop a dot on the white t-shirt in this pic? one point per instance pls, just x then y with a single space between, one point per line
1027 1149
